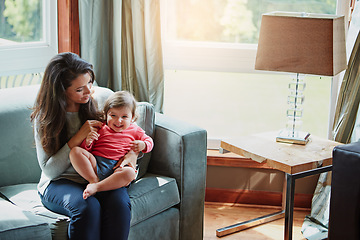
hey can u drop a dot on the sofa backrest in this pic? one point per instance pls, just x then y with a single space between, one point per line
146 120
18 160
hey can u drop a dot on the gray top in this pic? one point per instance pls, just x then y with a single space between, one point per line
58 165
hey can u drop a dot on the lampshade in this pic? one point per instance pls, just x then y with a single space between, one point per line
301 43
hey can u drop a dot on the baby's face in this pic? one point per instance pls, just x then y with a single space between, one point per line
119 119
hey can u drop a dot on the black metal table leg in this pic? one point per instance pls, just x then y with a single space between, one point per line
288 212
289 209
290 193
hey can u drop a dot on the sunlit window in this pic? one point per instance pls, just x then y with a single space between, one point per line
21 21
28 35
209 49
233 21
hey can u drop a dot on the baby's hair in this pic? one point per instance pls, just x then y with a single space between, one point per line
121 99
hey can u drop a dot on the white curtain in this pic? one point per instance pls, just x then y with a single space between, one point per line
122 39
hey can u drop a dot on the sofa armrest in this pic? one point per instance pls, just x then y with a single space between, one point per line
180 152
344 219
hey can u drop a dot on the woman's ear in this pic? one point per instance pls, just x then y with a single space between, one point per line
104 114
92 91
134 117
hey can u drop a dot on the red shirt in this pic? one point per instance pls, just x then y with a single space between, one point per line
114 145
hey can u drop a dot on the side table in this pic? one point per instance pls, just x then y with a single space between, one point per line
296 161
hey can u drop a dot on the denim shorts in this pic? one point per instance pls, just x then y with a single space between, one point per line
104 167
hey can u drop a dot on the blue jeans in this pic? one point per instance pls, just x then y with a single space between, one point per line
106 215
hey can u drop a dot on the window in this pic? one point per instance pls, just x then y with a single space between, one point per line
209 52
28 35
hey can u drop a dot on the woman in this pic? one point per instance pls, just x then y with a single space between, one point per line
63 115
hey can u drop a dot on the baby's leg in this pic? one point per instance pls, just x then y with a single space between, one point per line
84 163
120 178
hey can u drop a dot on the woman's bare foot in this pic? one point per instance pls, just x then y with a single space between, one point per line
90 190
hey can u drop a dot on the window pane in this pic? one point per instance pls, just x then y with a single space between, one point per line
237 104
28 35
235 21
20 21
241 101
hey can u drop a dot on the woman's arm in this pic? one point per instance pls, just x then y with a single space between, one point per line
53 166
86 128
129 159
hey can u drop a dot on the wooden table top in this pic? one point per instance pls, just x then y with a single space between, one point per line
289 158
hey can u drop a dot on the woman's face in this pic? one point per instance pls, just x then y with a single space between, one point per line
78 92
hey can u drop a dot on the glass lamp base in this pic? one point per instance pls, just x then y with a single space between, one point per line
296 137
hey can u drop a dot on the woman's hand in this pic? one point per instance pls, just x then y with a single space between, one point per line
91 137
129 159
86 128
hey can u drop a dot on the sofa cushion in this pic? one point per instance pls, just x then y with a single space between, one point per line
25 196
162 226
16 223
149 195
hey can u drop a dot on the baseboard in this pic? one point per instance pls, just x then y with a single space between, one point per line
254 197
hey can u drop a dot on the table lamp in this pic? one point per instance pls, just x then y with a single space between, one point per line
300 43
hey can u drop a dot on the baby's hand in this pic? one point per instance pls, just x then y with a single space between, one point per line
137 145
93 135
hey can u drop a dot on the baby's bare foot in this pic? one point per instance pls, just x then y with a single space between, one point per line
90 190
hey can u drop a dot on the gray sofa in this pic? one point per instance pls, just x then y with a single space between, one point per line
344 217
167 198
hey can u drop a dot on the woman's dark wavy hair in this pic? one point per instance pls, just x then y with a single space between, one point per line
50 105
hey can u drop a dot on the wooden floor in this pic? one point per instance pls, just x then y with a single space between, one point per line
218 215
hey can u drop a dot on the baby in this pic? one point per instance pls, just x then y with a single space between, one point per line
99 157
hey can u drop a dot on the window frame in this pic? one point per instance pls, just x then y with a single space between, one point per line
32 57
